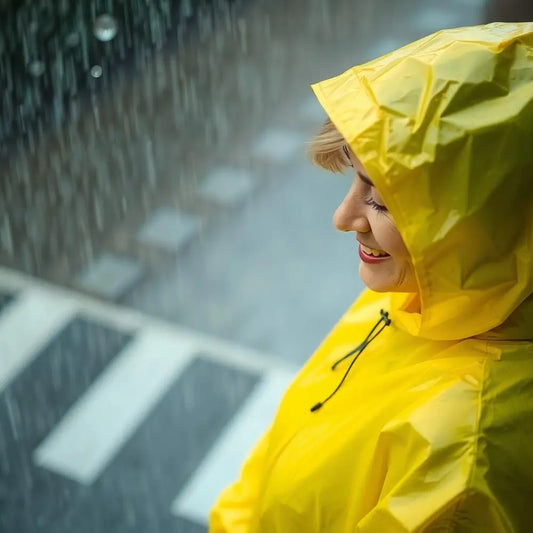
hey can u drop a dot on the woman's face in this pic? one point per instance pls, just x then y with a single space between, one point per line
362 211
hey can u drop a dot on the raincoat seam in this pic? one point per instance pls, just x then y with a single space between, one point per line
457 504
469 485
479 412
477 425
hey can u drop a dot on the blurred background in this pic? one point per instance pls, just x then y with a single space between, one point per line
168 259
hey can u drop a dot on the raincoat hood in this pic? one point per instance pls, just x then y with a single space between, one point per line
444 128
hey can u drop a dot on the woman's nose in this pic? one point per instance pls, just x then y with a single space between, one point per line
350 215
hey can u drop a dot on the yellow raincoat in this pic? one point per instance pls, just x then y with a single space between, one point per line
432 429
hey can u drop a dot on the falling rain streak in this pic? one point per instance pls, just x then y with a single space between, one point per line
60 60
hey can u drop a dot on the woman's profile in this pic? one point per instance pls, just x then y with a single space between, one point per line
416 411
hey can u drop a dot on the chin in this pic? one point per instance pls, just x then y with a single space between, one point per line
376 287
384 282
373 282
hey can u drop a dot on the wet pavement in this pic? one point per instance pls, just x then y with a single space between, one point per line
169 261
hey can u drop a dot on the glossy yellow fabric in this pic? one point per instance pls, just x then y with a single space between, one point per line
433 428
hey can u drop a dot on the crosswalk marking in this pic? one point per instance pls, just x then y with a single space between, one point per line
130 320
222 464
102 420
26 325
98 424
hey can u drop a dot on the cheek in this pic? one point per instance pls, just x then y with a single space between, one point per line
392 240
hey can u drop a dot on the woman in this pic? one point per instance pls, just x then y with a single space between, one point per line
416 412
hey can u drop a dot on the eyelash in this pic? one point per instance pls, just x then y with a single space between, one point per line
375 205
368 201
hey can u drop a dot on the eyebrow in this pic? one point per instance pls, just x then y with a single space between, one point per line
364 178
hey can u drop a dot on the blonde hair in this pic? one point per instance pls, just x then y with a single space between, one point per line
327 149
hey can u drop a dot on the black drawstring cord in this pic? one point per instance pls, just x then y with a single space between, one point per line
369 338
385 317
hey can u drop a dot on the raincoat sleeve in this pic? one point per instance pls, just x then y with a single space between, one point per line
434 487
233 511
468 511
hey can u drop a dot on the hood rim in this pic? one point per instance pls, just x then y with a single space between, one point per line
422 323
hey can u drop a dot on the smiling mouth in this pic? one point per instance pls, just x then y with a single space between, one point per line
373 252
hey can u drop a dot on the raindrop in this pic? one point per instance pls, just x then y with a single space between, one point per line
150 163
7 236
72 39
186 9
98 213
96 71
105 28
36 68
96 114
241 24
13 412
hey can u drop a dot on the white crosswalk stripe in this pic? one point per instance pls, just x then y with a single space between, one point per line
96 427
26 325
222 464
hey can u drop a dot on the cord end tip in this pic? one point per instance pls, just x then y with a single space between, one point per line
385 317
316 407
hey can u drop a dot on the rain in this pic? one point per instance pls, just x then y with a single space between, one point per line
166 246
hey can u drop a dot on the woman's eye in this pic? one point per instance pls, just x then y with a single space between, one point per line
375 205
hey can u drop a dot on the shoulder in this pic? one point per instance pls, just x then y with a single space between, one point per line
505 429
474 437
459 457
